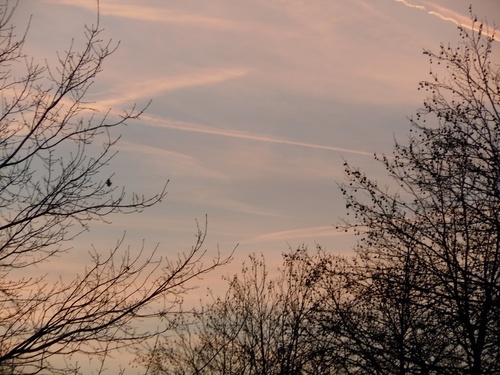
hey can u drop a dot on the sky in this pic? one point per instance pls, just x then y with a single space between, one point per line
256 104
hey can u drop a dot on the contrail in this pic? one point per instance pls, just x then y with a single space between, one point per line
449 19
464 24
404 2
456 18
187 127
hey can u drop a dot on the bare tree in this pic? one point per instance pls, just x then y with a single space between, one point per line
423 295
53 152
262 325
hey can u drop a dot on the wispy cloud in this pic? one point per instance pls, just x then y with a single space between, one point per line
300 233
177 163
152 87
152 14
231 204
195 128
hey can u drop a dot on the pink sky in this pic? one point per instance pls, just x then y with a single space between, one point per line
255 105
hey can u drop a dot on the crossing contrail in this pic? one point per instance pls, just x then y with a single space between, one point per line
194 128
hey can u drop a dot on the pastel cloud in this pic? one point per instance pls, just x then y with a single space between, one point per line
300 233
152 14
177 163
229 204
150 88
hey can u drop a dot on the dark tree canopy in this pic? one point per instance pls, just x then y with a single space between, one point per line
53 184
431 252
262 325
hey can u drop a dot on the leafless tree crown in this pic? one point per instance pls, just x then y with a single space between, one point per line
53 152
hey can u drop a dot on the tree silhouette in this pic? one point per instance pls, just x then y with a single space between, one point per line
53 150
261 325
426 283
